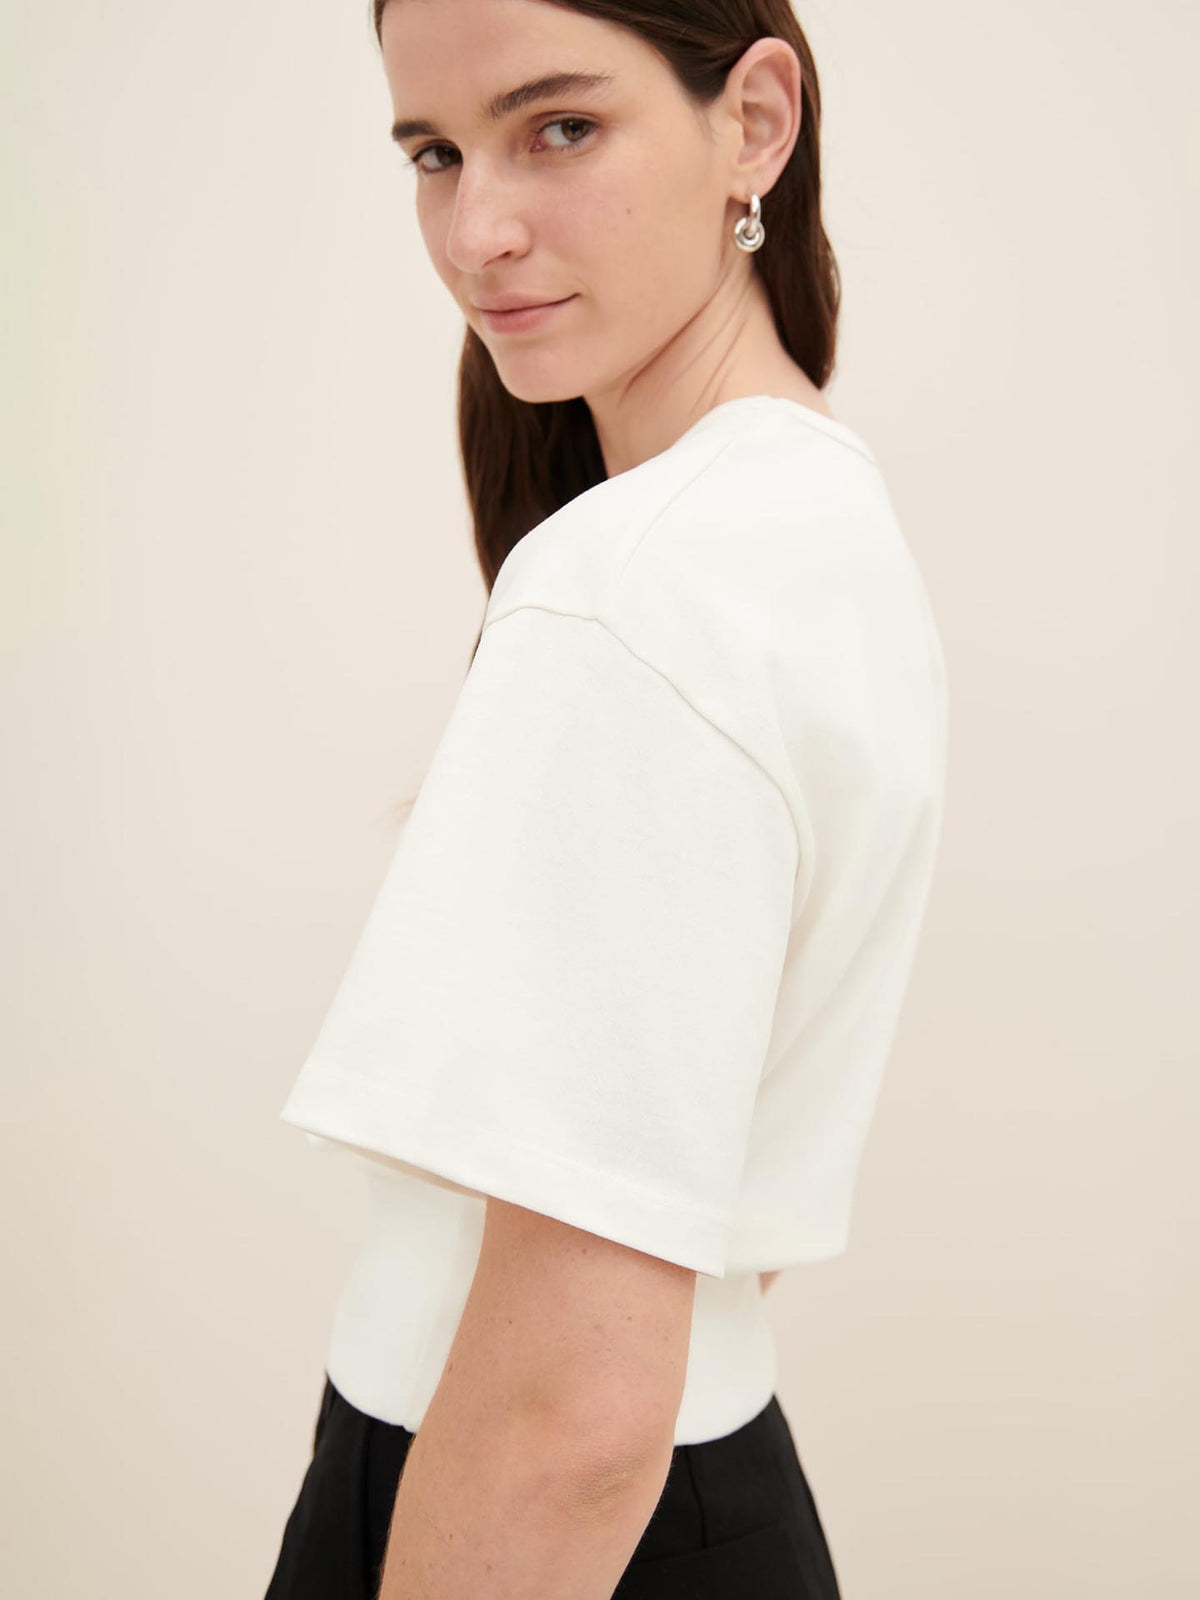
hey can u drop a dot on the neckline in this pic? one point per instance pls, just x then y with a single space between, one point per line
831 426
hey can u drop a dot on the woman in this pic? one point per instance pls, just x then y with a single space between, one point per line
610 1041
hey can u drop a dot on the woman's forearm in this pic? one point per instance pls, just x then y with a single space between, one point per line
494 1509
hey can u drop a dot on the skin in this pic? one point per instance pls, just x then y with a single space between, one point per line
545 1447
635 217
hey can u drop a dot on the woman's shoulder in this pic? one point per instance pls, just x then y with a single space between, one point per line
756 495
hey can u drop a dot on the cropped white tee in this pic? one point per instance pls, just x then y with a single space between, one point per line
639 955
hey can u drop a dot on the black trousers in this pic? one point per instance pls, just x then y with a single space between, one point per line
736 1519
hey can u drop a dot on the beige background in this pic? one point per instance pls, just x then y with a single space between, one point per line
238 598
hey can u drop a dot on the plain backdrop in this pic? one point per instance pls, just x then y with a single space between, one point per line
237 601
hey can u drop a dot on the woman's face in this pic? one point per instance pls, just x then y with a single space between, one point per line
612 197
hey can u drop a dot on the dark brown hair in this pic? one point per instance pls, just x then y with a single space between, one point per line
523 460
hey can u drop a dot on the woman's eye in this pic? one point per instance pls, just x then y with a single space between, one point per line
558 122
429 148
569 122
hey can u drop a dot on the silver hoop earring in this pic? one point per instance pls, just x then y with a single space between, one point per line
748 232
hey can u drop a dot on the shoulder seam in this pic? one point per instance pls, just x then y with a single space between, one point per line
584 616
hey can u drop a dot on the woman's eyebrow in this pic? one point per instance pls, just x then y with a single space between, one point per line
510 100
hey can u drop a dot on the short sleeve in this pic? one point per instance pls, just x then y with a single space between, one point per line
565 989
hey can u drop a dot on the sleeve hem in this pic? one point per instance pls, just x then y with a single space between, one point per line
358 1111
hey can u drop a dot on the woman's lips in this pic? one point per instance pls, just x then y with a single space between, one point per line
525 317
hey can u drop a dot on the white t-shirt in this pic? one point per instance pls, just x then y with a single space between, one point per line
639 955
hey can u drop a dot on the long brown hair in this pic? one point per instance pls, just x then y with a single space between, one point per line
522 459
